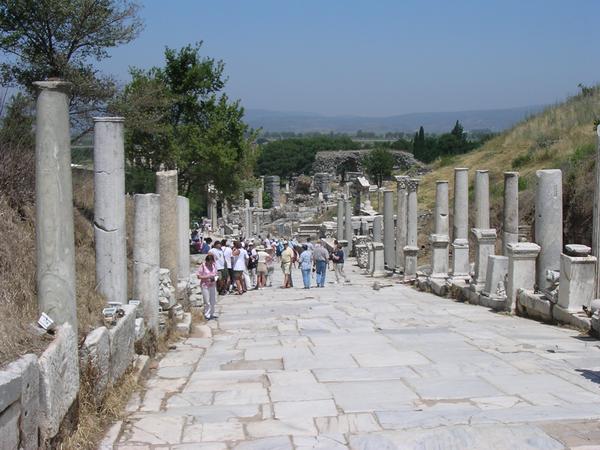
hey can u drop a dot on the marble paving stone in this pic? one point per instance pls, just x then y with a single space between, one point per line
275 427
311 408
371 396
390 359
347 423
272 443
341 368
213 432
309 391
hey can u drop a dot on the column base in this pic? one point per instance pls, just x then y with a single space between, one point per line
460 258
410 263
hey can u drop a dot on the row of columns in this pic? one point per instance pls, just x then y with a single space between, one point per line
161 221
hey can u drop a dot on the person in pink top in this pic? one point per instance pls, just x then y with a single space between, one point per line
208 275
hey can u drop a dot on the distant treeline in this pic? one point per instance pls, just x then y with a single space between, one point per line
288 154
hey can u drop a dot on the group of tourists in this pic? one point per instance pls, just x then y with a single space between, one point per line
234 267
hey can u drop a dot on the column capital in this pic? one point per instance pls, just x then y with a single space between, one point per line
412 184
401 181
115 119
54 85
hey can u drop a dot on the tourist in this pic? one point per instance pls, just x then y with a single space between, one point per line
287 255
206 246
252 264
227 257
309 244
321 257
306 265
240 264
208 275
262 268
218 254
270 266
338 264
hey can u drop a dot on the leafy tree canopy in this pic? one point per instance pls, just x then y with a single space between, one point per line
178 117
295 156
379 164
59 38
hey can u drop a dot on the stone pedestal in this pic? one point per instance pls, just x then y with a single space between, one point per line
389 249
109 209
348 224
401 222
577 272
55 241
439 255
378 260
340 219
166 187
183 226
521 270
146 256
370 258
482 199
460 244
548 224
510 227
377 234
410 262
362 255
494 292
485 245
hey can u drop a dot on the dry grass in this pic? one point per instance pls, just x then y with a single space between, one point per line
95 415
563 136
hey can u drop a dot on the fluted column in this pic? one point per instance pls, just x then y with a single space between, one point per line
439 239
460 235
510 228
411 249
401 222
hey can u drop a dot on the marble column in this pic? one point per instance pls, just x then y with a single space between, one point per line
460 243
166 187
521 270
439 239
183 226
401 222
389 250
54 230
146 256
340 219
247 219
377 234
548 224
411 249
482 199
348 233
596 216
109 209
214 224
259 197
510 227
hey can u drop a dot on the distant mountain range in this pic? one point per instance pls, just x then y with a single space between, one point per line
435 122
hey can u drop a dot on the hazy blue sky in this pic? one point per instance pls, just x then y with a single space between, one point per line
381 57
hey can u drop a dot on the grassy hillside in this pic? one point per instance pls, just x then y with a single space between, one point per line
562 136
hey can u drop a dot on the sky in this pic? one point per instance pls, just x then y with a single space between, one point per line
379 57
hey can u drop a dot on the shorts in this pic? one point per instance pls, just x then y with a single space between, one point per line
222 274
262 267
287 268
237 274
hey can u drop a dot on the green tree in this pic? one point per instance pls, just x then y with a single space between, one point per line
178 117
379 164
43 39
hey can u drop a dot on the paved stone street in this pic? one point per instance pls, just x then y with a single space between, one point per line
352 367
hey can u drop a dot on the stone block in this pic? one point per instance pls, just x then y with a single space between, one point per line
485 245
59 381
533 305
521 270
378 260
95 352
122 339
20 382
184 326
9 427
439 286
577 319
576 281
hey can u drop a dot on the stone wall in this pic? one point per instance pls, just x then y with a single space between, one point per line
330 161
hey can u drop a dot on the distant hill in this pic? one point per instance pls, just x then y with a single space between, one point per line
436 122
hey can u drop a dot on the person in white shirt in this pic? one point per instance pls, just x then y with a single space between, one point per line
220 265
227 255
240 264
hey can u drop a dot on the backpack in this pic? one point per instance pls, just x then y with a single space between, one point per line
252 262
